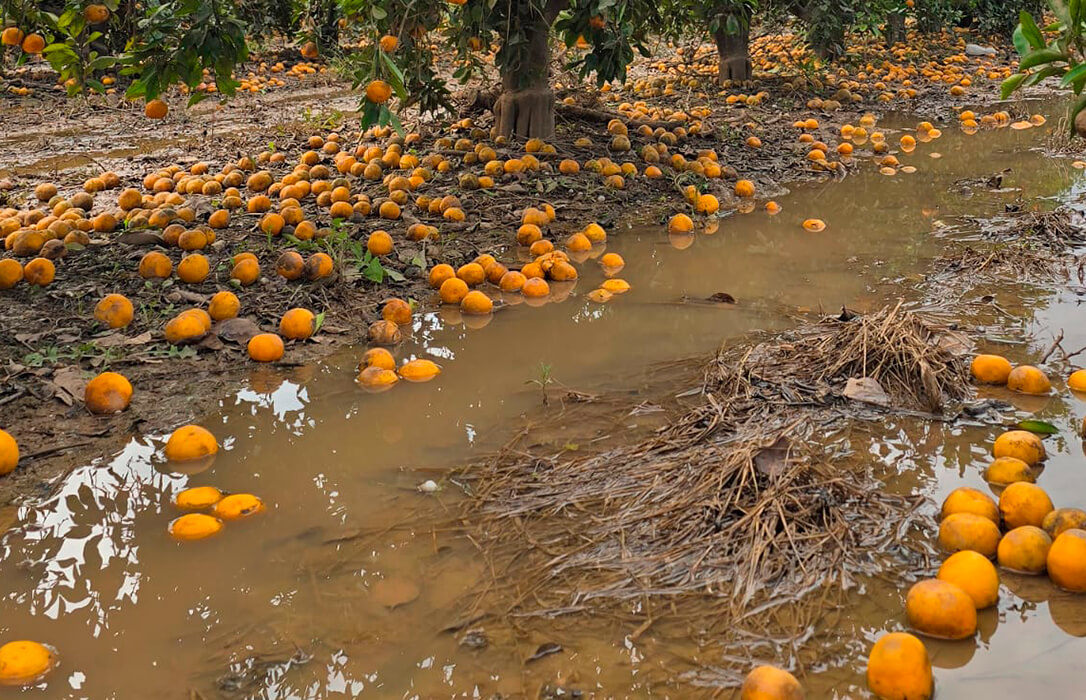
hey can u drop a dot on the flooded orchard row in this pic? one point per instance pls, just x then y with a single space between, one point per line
348 585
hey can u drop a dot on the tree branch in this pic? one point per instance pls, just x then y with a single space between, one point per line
552 8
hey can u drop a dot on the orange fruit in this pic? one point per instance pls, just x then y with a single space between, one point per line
1020 444
744 188
384 333
23 663
1027 379
9 453
114 310
535 288
237 506
472 273
771 683
155 109
297 324
194 526
265 347
476 302
378 91
991 369
898 668
377 378
11 273
1077 381
193 269
39 272
11 36
440 273
377 357
973 573
33 43
187 327
419 370
680 223
190 442
941 610
453 290
107 393
1063 519
223 305
814 225
1067 561
198 498
1023 503
398 311
1008 470
578 243
155 265
1024 550
966 531
319 266
379 243
246 271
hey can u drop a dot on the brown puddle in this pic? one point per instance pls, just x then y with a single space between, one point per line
287 603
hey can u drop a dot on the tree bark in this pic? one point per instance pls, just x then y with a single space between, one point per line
734 52
525 107
895 28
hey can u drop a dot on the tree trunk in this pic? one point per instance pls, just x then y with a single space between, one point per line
895 28
525 107
734 52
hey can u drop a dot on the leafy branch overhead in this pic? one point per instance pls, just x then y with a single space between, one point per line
1062 56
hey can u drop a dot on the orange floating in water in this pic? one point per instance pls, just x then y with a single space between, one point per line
419 370
24 662
377 379
198 497
814 225
239 505
194 526
1020 125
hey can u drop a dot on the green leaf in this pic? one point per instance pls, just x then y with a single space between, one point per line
1038 426
1074 74
1040 57
1021 43
1031 31
318 321
1046 72
1011 84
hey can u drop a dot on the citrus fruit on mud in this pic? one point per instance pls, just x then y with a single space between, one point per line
114 310
1024 550
224 305
1024 503
1067 561
384 333
991 369
194 526
265 347
297 324
155 109
966 531
9 453
107 393
1077 381
973 573
899 668
397 310
190 442
24 662
941 610
1021 444
476 302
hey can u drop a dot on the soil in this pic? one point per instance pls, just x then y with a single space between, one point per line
48 348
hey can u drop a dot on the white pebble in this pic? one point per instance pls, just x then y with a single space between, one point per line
428 486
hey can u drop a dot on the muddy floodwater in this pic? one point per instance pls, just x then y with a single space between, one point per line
345 586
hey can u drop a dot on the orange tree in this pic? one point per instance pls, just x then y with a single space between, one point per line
727 21
399 59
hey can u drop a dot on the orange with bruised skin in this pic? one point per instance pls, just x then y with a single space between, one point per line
107 393
39 272
1027 379
377 357
384 333
1020 444
1008 470
237 506
1024 550
155 265
114 310
224 305
190 442
23 663
377 378
966 531
1024 503
476 303
1062 519
941 610
970 500
420 370
973 573
398 311
898 668
187 327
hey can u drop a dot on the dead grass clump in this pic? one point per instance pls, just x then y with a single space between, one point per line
748 502
1058 230
1019 259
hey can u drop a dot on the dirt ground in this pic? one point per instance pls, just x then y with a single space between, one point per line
49 346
